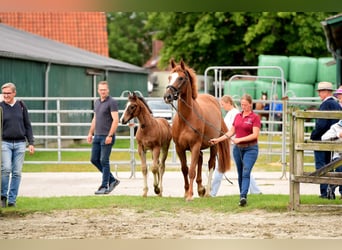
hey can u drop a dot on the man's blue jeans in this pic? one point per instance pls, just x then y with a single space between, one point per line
245 159
12 159
100 154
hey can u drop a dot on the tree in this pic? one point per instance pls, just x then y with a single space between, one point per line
206 39
128 39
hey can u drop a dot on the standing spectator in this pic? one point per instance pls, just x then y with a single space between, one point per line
103 128
230 107
338 95
277 112
16 131
334 134
246 128
325 90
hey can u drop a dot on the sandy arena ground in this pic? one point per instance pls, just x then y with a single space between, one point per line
115 223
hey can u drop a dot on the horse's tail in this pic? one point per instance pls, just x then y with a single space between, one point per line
224 161
223 150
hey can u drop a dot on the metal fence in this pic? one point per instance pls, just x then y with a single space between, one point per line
52 129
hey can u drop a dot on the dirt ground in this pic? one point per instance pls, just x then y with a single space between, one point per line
120 223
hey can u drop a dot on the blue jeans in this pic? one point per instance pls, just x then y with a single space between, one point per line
245 159
321 159
13 154
217 178
100 154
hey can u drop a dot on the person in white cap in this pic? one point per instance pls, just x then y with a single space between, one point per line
325 92
338 95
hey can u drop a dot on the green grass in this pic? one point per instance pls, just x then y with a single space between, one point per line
223 204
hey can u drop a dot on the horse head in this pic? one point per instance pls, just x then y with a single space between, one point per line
132 108
263 95
180 78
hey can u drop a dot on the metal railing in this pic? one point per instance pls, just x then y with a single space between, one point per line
64 120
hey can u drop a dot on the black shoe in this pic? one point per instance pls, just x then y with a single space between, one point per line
243 202
112 186
11 205
331 196
3 201
323 197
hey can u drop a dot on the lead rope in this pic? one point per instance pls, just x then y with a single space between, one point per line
199 116
189 124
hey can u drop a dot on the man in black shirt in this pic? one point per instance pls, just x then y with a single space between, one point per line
103 128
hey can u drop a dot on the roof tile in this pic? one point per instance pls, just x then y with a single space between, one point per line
85 30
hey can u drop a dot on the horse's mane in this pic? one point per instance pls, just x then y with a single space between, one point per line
190 72
145 103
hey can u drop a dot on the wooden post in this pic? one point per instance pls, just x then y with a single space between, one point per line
297 147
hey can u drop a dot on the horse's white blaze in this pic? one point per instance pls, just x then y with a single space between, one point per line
174 77
124 112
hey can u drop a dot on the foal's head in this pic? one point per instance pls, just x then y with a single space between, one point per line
133 108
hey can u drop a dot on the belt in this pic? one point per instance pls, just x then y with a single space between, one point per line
248 144
14 141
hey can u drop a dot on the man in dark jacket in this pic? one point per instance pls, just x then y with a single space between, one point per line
325 91
16 132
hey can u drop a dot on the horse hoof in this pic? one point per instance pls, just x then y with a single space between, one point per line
157 190
201 192
189 199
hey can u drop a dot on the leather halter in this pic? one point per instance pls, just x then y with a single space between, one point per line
175 91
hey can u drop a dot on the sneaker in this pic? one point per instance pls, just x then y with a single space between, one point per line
3 201
331 192
242 202
102 190
112 186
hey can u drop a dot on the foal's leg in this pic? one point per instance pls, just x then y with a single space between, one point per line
164 153
155 170
142 154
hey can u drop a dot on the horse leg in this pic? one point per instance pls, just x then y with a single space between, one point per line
144 171
200 188
195 155
162 168
156 171
182 157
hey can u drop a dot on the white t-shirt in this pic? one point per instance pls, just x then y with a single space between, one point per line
229 118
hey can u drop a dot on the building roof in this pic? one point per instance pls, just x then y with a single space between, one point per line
85 30
16 43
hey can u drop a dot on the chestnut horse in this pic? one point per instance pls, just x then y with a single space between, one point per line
153 134
198 119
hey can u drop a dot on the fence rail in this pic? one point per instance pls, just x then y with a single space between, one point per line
53 129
